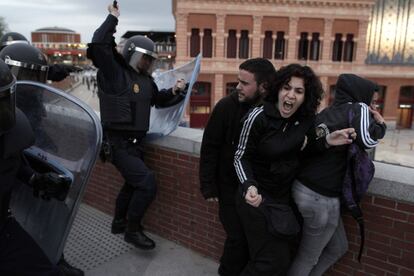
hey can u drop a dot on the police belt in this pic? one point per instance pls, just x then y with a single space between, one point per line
131 137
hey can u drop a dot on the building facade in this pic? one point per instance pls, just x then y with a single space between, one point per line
60 45
365 37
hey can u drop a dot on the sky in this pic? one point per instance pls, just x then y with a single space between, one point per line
84 16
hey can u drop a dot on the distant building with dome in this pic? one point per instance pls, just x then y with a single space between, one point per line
61 45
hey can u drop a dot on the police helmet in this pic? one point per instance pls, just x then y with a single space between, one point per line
7 98
11 38
137 48
26 62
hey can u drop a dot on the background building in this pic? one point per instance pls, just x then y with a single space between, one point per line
366 37
60 45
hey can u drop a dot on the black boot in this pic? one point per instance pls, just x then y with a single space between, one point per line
118 226
67 270
135 236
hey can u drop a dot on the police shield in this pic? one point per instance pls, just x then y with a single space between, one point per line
68 136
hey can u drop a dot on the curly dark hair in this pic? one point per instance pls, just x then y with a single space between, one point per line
313 87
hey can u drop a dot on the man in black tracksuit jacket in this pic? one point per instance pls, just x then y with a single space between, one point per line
217 176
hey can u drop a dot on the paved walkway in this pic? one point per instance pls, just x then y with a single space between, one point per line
91 247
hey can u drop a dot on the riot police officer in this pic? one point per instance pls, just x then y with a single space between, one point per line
26 62
19 253
12 38
126 93
57 72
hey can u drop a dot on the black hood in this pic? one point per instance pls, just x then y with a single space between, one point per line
351 88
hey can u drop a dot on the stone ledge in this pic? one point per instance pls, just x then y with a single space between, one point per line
391 181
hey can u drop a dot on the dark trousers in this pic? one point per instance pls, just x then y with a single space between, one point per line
235 252
20 254
269 255
139 189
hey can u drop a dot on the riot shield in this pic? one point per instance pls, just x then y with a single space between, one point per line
163 121
68 136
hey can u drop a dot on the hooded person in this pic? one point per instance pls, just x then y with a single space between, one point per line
318 187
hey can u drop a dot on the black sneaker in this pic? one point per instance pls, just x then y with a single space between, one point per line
67 270
139 239
118 226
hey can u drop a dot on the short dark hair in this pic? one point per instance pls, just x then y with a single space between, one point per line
313 87
262 68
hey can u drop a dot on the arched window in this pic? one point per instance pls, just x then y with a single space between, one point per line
315 46
349 48
337 48
244 44
303 46
207 43
280 45
195 42
268 45
231 44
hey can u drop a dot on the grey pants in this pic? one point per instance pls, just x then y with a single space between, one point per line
323 235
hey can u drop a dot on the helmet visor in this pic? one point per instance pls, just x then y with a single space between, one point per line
7 109
22 73
143 62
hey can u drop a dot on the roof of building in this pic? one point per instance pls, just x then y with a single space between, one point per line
54 30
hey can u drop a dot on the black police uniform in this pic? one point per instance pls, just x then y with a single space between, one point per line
19 253
126 97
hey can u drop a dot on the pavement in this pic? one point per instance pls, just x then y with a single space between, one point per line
92 248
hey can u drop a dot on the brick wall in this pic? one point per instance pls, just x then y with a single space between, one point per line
180 214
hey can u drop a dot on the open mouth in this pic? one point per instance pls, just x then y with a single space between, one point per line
288 105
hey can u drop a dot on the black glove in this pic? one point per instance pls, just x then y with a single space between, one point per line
58 72
48 185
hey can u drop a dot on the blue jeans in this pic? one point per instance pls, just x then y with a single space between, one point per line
323 235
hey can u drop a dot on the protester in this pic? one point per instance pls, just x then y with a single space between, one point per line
266 162
318 188
126 93
218 179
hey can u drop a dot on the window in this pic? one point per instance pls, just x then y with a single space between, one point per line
244 44
349 48
195 42
337 48
231 44
268 45
315 47
280 45
379 97
303 46
230 87
207 43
